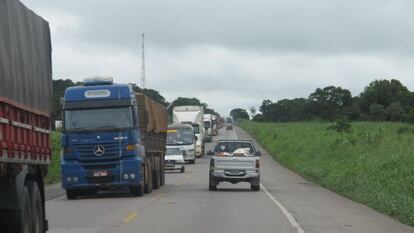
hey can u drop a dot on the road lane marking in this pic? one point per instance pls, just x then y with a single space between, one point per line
56 199
130 217
188 176
158 196
177 184
289 217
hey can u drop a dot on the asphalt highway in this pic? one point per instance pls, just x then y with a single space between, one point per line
287 203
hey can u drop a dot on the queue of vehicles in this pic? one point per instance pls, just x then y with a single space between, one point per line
112 138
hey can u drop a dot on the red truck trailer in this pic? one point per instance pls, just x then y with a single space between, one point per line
25 106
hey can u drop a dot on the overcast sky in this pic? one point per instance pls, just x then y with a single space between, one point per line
233 53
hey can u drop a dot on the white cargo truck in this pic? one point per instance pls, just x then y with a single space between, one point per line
193 115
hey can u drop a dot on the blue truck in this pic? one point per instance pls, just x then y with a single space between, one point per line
112 138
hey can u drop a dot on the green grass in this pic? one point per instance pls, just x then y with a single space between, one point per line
53 175
374 164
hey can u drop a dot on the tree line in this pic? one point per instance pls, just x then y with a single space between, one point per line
60 85
381 100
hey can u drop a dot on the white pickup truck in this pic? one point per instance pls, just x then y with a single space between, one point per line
234 161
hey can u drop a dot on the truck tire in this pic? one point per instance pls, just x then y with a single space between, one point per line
182 169
37 208
255 187
212 185
162 174
71 194
192 161
156 182
255 184
137 191
148 178
22 220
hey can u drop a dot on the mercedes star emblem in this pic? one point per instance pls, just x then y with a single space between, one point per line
99 150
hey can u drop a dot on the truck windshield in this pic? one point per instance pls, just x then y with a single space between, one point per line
182 136
98 119
196 129
206 124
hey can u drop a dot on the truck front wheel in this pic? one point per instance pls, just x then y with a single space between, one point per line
137 191
71 194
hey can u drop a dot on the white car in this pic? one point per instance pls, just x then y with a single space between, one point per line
174 160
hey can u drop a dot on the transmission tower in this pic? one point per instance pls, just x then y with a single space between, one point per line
143 63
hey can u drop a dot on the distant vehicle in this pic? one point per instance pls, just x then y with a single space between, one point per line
193 115
113 138
229 127
235 161
208 127
181 136
174 160
25 117
214 125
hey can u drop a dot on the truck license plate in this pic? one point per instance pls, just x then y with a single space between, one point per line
100 173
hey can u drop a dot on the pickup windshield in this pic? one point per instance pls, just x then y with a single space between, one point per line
230 147
182 136
98 119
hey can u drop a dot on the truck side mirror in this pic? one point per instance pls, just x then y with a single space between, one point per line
258 153
210 152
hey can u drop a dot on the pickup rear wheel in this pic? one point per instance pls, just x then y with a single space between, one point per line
212 185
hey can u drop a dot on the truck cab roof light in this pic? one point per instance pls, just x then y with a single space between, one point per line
98 80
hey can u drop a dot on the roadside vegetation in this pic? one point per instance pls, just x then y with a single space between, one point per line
53 175
369 162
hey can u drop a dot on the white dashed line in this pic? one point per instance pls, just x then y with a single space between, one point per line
53 200
289 217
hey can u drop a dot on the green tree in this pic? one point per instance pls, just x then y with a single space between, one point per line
376 112
239 113
384 92
59 87
328 103
410 115
394 112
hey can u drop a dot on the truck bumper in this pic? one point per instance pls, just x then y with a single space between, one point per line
75 176
243 176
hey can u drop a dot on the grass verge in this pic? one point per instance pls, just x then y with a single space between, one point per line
373 164
53 175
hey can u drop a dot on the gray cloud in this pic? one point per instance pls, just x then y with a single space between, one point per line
234 53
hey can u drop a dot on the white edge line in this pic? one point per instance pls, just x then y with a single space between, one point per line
289 217
235 133
56 199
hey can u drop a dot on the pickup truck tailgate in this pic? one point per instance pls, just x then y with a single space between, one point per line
235 162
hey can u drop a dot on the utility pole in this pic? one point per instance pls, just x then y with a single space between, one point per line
143 63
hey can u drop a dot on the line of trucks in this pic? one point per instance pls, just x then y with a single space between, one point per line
112 137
